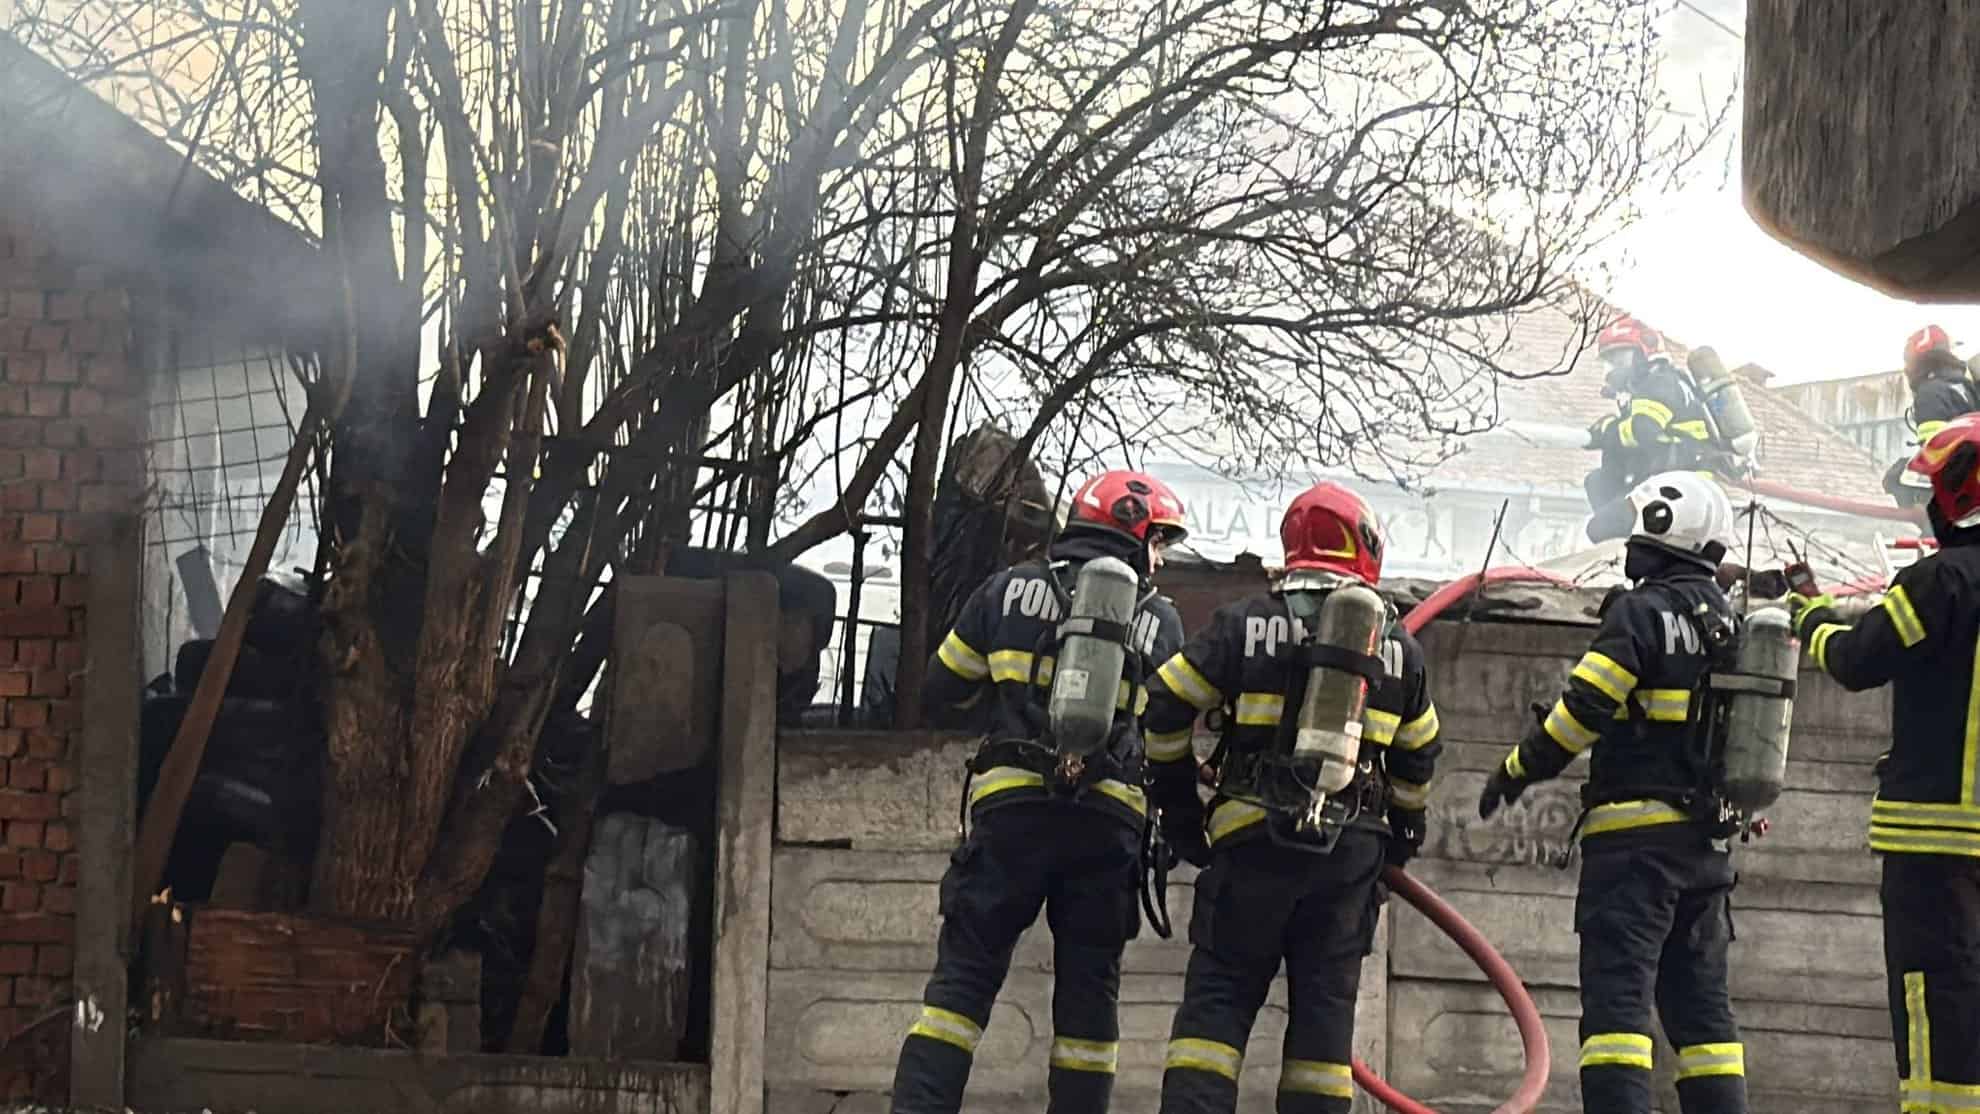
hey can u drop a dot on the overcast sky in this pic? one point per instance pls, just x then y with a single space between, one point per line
1705 273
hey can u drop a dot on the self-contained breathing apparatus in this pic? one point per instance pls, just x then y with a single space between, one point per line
1077 739
1316 757
1736 729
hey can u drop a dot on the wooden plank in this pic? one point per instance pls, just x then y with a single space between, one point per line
106 776
275 976
745 809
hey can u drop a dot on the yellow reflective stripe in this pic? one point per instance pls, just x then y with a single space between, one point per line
1317 1077
1924 841
1609 678
1939 1098
1421 731
1072 1054
1628 1050
1627 435
1259 709
1626 815
1215 1057
1000 779
1379 727
1923 814
1694 428
1408 793
1818 646
1566 730
1014 667
1661 705
1970 758
1167 746
1184 680
1231 817
1920 1034
948 1027
1132 796
1897 604
1928 430
1699 1060
1514 766
962 659
1650 408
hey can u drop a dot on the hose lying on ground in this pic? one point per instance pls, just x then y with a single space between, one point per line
1532 1033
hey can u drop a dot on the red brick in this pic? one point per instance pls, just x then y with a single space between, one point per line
64 715
66 307
56 367
10 865
41 464
16 959
109 307
70 655
26 368
46 402
57 559
62 899
54 959
46 338
82 529
41 866
47 744
37 622
20 897
14 683
82 465
11 464
6 990
52 683
24 305
25 834
16 557
84 402
11 742
31 990
57 836
27 773
58 497
65 433
33 652
38 591
37 928
23 712
71 870
95 337
13 398
15 805
18 496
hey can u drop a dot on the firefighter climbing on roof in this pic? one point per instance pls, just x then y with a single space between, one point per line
1653 907
1322 777
1941 390
1925 820
1666 418
1062 647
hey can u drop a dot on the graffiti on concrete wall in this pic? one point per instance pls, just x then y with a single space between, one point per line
1532 832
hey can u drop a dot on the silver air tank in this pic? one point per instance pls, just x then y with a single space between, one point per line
1087 679
1352 618
1759 713
1723 400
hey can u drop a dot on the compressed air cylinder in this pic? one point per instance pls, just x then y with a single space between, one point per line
1757 722
1087 679
1725 401
1329 728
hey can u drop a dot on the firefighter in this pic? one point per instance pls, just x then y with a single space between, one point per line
1272 891
1653 909
1925 820
1660 424
1941 390
1045 835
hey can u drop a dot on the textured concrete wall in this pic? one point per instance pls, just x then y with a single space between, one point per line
865 824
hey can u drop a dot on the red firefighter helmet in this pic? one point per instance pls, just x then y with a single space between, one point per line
1329 527
1628 332
1132 503
1950 459
1927 350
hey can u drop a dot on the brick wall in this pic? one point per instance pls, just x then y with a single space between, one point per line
70 421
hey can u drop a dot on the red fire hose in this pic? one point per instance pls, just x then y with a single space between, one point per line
1832 503
1532 1033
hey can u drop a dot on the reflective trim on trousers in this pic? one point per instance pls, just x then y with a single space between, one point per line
1214 1057
948 1027
1624 1050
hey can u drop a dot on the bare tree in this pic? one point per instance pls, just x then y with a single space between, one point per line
607 261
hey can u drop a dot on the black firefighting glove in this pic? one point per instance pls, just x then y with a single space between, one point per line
1502 788
1407 827
1598 431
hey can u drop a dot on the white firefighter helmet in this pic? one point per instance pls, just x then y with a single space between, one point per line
1685 514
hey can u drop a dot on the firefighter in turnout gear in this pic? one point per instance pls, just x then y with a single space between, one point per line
1318 687
1653 908
1660 424
1925 820
1941 390
1056 791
